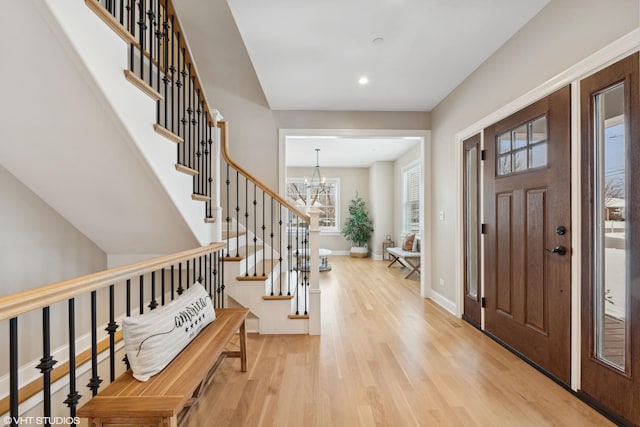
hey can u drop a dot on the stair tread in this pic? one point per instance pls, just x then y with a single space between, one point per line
267 264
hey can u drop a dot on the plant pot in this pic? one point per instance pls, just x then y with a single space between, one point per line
359 251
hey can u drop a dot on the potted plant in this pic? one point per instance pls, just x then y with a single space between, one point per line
358 227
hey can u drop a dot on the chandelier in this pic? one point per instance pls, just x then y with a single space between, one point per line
318 182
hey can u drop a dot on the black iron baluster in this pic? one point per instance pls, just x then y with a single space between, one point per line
159 68
121 12
198 146
173 288
228 218
280 246
128 310
238 215
210 174
13 371
183 120
179 86
214 276
141 302
194 273
153 304
207 272
180 288
142 28
307 270
246 225
46 363
255 234
94 382
132 29
263 239
128 297
73 397
172 69
162 271
188 274
151 17
221 279
298 266
111 328
199 269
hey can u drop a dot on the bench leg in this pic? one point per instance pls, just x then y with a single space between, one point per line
243 347
415 268
395 258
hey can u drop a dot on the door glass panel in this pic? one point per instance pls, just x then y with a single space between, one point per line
538 130
538 155
520 137
520 161
471 164
610 269
504 164
504 143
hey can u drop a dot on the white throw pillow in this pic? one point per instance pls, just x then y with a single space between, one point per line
154 339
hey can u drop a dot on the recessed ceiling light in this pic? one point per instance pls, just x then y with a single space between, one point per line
363 80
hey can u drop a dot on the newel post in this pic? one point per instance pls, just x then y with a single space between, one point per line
314 274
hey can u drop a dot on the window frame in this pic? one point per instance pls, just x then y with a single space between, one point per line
407 225
332 181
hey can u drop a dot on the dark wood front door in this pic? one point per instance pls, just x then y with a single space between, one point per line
610 172
527 205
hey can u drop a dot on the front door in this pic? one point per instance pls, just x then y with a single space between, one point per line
610 116
527 205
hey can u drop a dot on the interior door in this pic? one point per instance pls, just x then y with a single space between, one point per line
471 190
527 204
610 171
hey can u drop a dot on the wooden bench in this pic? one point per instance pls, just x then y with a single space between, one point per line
164 400
408 258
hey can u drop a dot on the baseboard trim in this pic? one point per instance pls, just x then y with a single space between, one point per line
442 301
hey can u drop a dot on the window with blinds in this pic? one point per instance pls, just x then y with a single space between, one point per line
412 177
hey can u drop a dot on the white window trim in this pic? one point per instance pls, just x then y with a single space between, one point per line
404 172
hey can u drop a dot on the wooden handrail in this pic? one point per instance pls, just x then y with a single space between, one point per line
224 147
23 302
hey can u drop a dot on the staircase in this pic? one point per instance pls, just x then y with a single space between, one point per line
154 110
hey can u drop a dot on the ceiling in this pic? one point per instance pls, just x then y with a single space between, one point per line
309 54
345 151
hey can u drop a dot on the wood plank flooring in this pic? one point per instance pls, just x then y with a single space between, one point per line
386 357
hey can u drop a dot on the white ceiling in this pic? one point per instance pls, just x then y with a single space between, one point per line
309 54
344 151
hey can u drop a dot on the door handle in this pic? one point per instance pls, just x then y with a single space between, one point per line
560 250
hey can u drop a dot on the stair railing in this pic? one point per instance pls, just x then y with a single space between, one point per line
80 310
161 64
255 213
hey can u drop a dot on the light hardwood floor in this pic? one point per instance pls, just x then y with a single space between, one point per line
386 357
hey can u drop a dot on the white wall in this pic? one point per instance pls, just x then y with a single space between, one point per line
563 33
38 247
352 180
381 186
